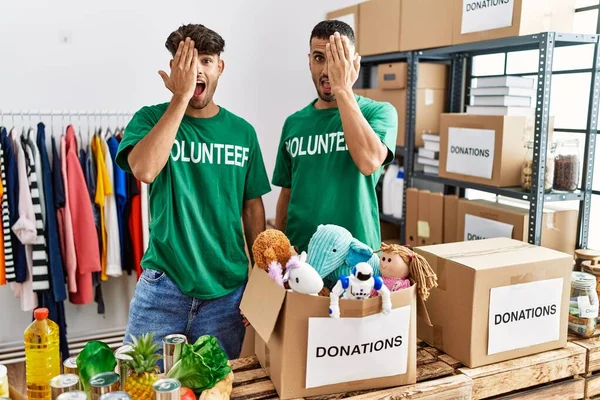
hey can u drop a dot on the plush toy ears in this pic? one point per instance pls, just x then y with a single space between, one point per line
359 252
303 256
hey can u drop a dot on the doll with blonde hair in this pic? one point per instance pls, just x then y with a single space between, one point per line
399 264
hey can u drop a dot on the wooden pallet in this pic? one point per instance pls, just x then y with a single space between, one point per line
553 374
436 379
592 366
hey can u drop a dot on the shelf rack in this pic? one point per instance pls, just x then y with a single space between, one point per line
460 58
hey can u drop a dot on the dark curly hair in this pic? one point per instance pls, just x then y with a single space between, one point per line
207 41
324 29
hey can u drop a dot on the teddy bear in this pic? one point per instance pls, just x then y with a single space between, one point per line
272 247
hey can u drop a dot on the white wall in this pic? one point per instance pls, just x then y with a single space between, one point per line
110 60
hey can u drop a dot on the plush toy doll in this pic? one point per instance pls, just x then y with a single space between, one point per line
333 252
272 251
301 277
398 265
358 286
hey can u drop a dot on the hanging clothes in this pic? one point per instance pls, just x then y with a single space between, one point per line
120 189
86 246
6 258
2 257
55 263
63 216
18 272
25 230
135 223
113 245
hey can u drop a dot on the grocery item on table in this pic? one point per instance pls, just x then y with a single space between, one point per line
582 255
167 389
143 371
70 366
583 306
75 395
104 383
122 359
566 174
115 396
42 356
3 381
95 358
172 347
64 383
527 168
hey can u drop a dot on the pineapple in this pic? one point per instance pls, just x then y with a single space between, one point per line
143 371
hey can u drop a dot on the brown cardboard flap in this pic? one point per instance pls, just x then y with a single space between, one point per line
261 303
422 311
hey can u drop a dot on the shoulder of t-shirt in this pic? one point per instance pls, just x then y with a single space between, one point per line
241 122
298 116
370 107
152 112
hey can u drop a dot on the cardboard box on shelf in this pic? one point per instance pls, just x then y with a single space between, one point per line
430 105
450 218
379 21
425 24
307 353
482 219
484 149
477 20
349 15
497 299
430 76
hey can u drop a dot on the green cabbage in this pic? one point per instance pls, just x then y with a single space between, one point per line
95 358
202 364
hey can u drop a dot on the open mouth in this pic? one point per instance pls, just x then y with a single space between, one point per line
200 87
326 86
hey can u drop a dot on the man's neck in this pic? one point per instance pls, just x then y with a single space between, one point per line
207 112
321 104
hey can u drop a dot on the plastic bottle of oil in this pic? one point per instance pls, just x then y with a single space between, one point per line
42 355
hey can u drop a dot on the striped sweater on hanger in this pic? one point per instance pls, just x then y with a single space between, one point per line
40 275
8 250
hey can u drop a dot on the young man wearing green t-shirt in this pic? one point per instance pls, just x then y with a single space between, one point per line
331 152
206 177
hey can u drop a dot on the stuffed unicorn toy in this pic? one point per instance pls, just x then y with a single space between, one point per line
302 277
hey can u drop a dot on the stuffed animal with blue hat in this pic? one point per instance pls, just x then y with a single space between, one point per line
333 252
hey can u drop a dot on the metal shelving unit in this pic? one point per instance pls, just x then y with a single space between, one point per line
460 57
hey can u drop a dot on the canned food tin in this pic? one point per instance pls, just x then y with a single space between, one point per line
122 368
63 383
115 396
167 389
75 395
70 366
103 383
172 347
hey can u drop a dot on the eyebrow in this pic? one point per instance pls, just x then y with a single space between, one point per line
318 52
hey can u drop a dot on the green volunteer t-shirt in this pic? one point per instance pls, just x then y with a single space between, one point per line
195 203
326 185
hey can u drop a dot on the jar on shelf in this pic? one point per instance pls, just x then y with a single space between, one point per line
566 169
527 168
582 255
583 304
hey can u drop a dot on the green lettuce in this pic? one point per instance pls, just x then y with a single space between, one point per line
95 358
202 364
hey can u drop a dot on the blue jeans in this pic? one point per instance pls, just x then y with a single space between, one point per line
159 306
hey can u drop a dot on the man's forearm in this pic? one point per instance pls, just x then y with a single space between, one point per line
365 147
281 211
253 217
150 154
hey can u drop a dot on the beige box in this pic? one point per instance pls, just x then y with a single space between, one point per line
475 152
425 24
430 76
282 320
510 18
350 15
496 300
450 218
380 26
481 219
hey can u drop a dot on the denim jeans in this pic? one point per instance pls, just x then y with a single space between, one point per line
159 306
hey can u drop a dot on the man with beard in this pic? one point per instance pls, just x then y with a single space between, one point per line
206 175
331 152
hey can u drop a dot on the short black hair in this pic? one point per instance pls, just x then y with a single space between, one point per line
324 29
206 40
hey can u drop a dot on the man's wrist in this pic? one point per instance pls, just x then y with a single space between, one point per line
179 100
344 94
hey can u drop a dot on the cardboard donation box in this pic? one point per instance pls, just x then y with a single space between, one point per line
307 353
476 20
484 149
496 300
481 219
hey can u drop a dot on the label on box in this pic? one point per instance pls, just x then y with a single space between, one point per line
471 152
429 97
483 15
524 315
350 349
477 228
